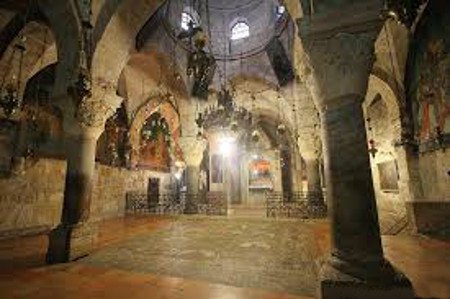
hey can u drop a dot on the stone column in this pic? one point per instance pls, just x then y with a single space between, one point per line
313 175
341 63
297 172
308 141
76 235
193 150
192 177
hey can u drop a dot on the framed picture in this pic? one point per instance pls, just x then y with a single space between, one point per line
388 173
259 174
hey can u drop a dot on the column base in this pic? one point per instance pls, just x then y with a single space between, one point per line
386 283
69 243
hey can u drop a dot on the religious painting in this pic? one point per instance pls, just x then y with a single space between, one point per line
259 174
430 81
155 144
388 176
216 169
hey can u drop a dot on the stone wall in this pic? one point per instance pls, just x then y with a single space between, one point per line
32 201
112 185
430 209
383 128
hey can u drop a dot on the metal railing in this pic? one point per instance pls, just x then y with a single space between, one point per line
210 203
305 205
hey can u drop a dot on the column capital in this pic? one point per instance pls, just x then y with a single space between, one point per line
89 115
309 145
94 113
193 150
340 66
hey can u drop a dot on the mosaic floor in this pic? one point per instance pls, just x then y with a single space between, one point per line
279 256
150 257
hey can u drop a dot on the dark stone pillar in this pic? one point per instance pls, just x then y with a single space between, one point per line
341 54
354 219
75 236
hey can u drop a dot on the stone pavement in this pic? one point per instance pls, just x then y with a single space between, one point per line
23 273
274 255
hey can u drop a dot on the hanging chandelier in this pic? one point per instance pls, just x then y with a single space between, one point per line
201 67
11 84
225 114
201 64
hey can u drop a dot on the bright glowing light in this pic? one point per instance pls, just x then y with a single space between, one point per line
227 145
178 175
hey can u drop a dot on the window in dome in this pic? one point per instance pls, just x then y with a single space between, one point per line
281 9
240 30
187 18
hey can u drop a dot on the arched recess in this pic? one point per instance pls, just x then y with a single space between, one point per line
389 164
121 22
395 115
40 52
168 112
148 75
40 118
112 145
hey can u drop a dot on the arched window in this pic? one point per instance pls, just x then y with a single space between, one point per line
280 10
187 17
240 30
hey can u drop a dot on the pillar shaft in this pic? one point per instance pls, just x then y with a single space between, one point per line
313 175
75 236
353 212
192 177
79 179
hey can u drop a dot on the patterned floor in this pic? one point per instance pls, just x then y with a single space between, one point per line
280 256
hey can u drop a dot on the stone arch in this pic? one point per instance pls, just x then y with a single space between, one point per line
381 87
67 39
121 23
146 75
40 51
390 203
154 104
